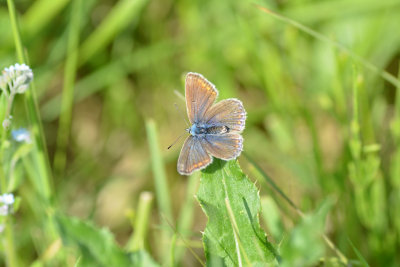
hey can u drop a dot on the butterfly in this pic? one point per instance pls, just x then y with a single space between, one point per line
215 127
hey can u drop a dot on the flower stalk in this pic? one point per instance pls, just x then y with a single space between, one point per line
13 80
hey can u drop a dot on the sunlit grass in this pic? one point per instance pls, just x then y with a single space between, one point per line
319 81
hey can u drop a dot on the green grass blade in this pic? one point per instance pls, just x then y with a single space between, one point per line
68 89
142 216
119 17
160 183
304 246
272 183
185 219
33 111
110 74
384 74
269 180
359 255
40 14
160 177
395 129
97 246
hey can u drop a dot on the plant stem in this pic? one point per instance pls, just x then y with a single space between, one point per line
68 89
185 219
11 257
141 222
368 65
41 151
268 179
32 110
160 182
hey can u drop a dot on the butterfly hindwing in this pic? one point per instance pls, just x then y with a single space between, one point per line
226 146
193 156
228 112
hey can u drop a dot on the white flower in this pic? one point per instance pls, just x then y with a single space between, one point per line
7 123
21 89
7 199
21 135
18 77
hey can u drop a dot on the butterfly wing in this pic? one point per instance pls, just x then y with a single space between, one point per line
193 156
200 95
228 112
225 146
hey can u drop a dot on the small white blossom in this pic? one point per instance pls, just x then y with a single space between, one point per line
7 199
21 89
7 123
14 80
17 77
21 135
6 202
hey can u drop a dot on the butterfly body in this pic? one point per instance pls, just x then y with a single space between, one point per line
204 129
215 129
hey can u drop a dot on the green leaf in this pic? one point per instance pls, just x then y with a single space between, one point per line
305 246
360 257
97 246
232 203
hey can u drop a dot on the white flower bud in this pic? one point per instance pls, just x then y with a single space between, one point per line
7 123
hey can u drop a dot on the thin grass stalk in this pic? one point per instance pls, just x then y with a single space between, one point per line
141 224
160 183
8 239
172 250
120 16
189 246
38 137
395 168
185 219
68 88
8 244
397 104
268 179
384 74
32 109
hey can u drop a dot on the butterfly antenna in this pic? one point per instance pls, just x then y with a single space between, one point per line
180 112
179 94
176 140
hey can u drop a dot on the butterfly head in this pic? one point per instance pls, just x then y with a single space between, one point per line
193 130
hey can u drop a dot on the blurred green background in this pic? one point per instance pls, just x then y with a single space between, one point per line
300 93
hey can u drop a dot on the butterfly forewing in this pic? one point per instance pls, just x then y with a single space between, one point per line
200 95
226 146
228 112
193 156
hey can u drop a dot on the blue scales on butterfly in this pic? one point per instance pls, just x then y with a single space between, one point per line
203 129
